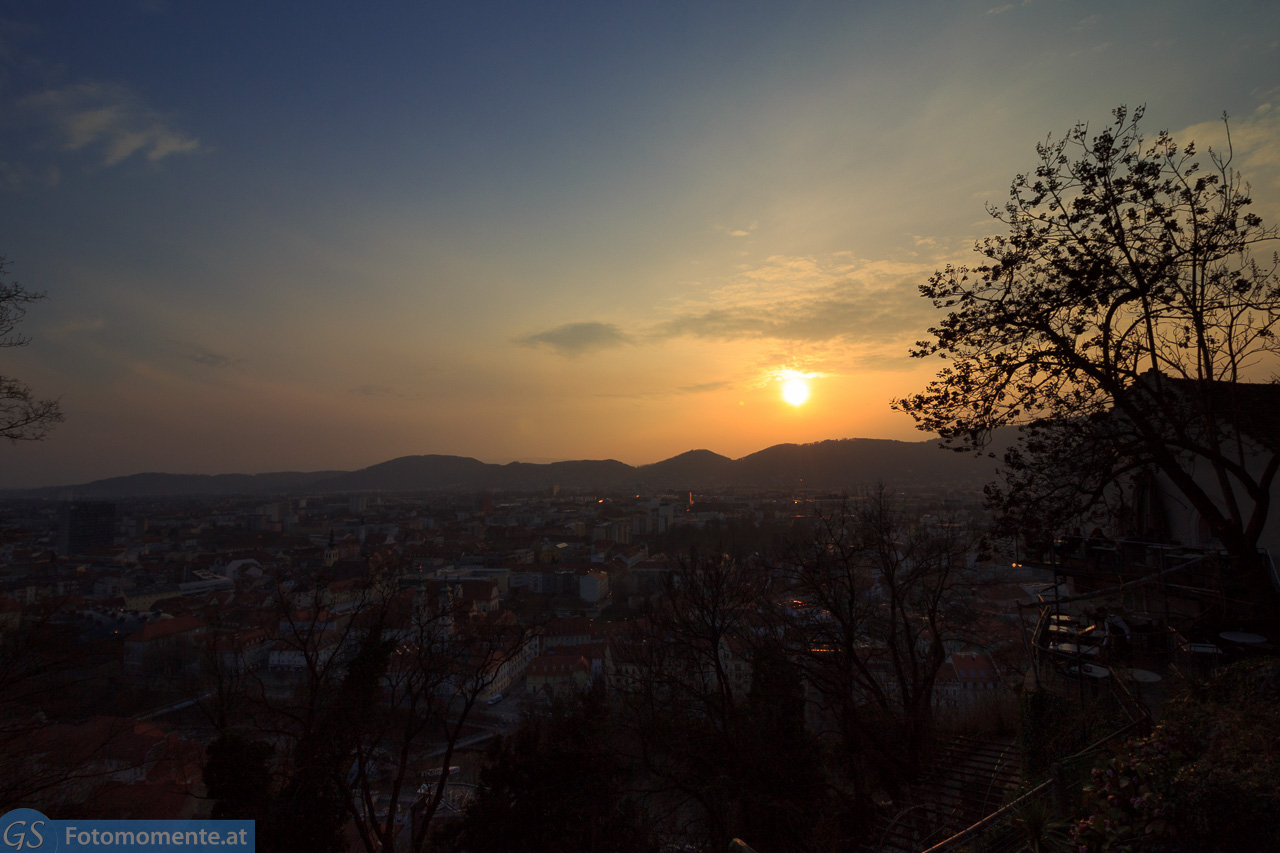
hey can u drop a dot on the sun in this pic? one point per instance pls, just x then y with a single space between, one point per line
795 390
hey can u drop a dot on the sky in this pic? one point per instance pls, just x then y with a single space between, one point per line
303 236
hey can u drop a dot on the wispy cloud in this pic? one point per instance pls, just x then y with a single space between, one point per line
1255 151
77 325
109 119
806 300
1103 47
370 390
999 10
203 356
665 392
704 387
16 177
839 303
575 339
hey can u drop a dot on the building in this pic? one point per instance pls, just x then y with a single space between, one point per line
558 673
965 680
166 646
593 587
86 525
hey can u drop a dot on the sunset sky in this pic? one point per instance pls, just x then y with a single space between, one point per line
294 236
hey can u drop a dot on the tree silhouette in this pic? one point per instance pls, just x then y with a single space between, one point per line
877 600
383 676
1114 324
22 416
556 784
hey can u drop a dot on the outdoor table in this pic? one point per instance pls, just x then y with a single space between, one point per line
1242 638
1143 676
1091 670
1072 649
1200 649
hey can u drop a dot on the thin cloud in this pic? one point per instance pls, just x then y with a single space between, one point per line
575 339
804 300
789 300
1254 147
17 177
665 393
377 391
705 387
78 325
1097 48
205 357
110 120
739 230
999 10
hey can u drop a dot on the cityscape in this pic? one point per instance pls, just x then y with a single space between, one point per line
641 427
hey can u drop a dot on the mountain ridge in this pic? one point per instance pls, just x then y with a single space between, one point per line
833 463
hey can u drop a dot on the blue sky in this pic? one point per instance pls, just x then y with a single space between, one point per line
319 235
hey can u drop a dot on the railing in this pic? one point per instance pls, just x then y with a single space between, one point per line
1055 786
1129 704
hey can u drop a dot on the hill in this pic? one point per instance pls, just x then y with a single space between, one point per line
835 464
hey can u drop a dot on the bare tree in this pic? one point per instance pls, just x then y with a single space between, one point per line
23 417
682 705
437 668
384 683
873 602
45 671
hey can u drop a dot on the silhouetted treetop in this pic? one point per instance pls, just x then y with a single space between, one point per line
1125 293
23 417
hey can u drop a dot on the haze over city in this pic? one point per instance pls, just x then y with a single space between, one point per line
315 236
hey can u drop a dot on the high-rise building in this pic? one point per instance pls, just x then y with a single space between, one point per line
85 525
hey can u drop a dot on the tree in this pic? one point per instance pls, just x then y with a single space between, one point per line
22 416
385 682
44 677
556 785
681 704
1114 324
874 603
711 708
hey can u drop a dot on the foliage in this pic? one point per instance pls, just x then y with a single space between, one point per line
1105 323
1205 780
555 785
1040 741
23 417
1126 799
1227 795
237 776
1036 824
781 792
719 756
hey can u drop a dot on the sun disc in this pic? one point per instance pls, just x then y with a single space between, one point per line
795 391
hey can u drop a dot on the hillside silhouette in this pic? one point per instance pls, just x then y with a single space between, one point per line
833 464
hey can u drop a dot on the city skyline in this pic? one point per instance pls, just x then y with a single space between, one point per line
314 237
